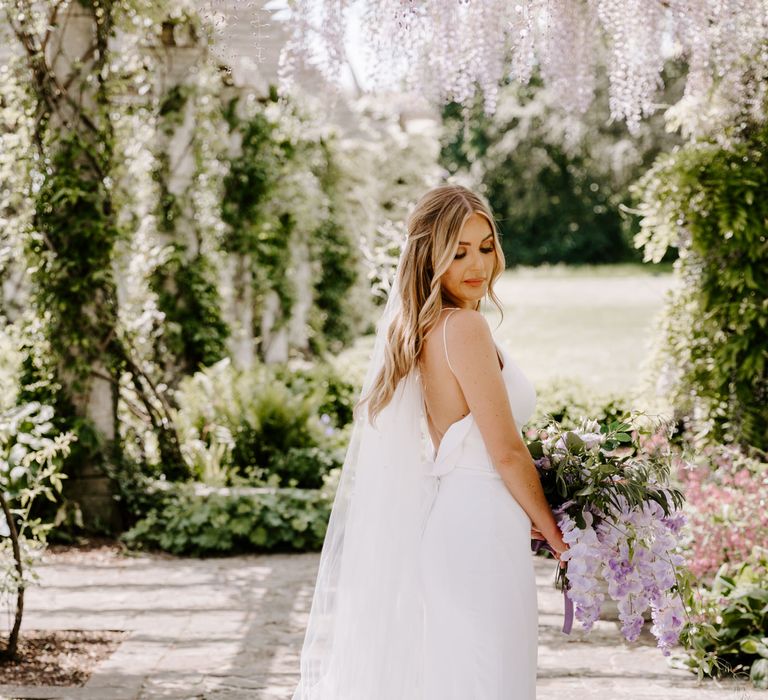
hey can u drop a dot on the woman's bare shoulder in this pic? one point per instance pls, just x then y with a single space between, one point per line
469 337
467 324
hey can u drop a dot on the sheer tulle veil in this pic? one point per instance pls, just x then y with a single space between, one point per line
363 638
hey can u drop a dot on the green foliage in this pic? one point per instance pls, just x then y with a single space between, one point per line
338 261
93 225
69 253
556 184
609 469
708 200
272 424
337 394
193 520
31 455
171 108
727 631
253 176
282 196
276 420
71 249
568 401
194 333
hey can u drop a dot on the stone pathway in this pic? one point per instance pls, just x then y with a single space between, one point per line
233 628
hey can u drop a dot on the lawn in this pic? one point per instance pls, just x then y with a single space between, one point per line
593 324
590 323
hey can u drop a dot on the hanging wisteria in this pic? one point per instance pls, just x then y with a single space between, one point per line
448 49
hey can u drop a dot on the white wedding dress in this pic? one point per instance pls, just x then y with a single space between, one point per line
480 607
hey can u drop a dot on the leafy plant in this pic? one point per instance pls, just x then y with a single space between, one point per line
272 424
706 199
192 519
728 630
30 467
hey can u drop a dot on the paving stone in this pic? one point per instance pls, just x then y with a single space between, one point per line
232 628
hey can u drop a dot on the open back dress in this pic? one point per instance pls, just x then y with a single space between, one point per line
476 568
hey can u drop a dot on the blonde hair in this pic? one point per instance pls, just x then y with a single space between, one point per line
434 227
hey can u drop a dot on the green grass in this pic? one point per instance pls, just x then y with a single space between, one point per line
591 323
597 328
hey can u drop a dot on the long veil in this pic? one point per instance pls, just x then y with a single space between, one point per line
364 634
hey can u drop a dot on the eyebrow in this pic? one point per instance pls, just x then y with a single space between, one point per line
490 235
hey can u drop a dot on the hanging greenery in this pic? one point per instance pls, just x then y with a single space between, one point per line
68 247
76 351
281 196
194 332
252 179
707 199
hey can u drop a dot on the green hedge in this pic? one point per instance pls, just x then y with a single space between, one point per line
567 400
194 519
708 201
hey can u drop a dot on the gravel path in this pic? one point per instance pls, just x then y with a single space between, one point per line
233 628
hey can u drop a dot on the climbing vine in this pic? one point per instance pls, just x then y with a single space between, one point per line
706 198
76 352
253 177
193 333
69 244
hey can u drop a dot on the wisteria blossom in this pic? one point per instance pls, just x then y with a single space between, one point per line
449 50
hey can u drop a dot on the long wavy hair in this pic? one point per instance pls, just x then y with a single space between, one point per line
434 227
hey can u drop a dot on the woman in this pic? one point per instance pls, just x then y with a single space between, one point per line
426 586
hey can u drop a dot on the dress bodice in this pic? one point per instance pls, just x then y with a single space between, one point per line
462 444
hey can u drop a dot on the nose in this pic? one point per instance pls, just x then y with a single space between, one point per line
477 264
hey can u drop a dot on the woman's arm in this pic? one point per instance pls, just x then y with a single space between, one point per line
473 358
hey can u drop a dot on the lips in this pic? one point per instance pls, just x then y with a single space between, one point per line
475 281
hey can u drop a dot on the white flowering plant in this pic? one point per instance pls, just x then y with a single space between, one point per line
608 485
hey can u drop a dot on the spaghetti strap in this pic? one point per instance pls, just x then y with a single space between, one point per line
445 345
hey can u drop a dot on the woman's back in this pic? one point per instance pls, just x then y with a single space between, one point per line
476 570
444 401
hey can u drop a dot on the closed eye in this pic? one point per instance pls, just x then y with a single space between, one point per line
482 250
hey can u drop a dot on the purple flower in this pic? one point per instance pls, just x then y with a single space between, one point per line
632 550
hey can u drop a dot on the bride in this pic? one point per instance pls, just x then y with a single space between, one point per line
426 588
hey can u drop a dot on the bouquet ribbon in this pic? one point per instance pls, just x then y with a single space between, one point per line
536 545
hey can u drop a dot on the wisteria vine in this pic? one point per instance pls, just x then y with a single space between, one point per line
449 50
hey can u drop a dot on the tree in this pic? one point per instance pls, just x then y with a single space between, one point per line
556 182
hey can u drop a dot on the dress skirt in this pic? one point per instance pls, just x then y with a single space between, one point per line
480 613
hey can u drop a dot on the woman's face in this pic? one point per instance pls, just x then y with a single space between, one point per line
469 274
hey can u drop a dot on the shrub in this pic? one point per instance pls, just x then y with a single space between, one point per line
706 199
194 519
274 424
726 493
727 632
567 401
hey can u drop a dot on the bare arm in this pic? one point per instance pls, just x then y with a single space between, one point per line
473 358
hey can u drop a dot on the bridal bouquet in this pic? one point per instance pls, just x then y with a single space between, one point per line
608 486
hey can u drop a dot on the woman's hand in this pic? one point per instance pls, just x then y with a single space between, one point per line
555 541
